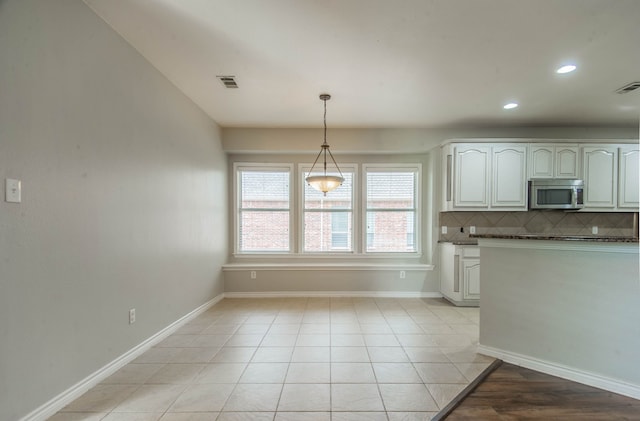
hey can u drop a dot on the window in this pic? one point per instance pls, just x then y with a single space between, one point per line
340 231
328 220
277 212
391 209
264 209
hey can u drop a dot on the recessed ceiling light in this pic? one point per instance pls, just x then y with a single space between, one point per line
566 69
510 106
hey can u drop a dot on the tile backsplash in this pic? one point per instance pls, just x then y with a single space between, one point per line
609 224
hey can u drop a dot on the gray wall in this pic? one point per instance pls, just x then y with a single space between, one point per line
365 282
548 301
124 200
370 145
385 141
286 279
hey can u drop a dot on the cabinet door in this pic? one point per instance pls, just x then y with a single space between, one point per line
600 176
566 161
471 176
629 177
447 178
448 272
509 186
471 279
541 161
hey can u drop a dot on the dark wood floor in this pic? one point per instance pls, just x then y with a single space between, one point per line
515 393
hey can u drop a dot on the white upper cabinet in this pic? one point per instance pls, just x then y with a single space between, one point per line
567 161
541 161
629 177
600 176
493 176
482 176
554 161
471 180
509 176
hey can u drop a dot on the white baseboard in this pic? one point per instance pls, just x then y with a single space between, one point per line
366 294
63 399
562 371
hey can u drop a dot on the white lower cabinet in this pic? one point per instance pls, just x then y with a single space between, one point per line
460 274
471 277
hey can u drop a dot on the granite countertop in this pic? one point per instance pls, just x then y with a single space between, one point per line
600 239
469 242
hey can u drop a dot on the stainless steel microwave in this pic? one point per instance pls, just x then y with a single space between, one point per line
559 193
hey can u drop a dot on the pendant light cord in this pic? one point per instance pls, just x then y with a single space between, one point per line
325 121
325 137
325 145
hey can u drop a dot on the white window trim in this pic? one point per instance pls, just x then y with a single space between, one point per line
249 166
303 169
296 212
399 167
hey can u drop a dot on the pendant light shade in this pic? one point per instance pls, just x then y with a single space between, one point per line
324 183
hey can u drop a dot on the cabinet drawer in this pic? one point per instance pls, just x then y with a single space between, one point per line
470 252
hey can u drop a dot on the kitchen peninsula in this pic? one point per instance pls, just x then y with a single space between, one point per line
567 306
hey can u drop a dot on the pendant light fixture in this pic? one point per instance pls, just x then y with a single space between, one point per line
324 183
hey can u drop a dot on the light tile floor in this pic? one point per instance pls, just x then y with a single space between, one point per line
300 359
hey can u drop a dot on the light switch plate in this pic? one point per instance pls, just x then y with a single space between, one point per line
443 229
13 191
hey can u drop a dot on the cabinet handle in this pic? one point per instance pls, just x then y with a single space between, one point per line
456 273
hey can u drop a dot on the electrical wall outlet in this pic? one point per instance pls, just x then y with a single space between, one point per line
443 229
472 229
132 316
253 274
594 229
402 274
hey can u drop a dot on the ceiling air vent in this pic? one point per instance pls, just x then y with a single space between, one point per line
628 88
228 81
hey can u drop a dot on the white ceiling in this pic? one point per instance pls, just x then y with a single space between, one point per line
403 63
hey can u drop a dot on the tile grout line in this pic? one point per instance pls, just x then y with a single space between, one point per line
243 371
340 312
275 413
384 405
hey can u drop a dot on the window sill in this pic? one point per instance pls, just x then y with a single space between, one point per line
329 255
326 266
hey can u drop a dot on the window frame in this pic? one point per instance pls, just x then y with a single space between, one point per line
303 170
237 195
297 171
416 168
